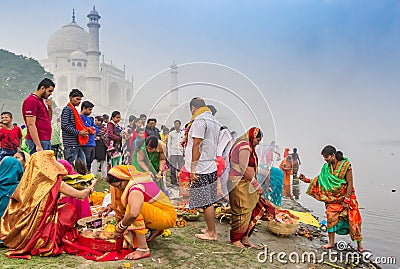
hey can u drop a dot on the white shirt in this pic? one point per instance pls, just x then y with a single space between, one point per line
207 128
224 140
174 142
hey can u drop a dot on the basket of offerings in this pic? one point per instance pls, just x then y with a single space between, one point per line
99 234
191 215
284 223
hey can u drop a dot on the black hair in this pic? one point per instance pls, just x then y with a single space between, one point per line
197 102
294 150
259 134
165 128
86 104
6 113
172 129
15 124
105 116
80 167
75 93
22 154
213 109
46 83
175 121
223 128
330 150
132 118
99 118
142 116
152 119
152 141
114 114
112 179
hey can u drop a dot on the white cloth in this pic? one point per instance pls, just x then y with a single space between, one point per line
174 143
207 128
224 140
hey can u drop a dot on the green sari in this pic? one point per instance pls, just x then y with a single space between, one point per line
152 160
330 187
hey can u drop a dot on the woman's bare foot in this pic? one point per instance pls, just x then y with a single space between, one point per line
238 244
139 253
328 246
360 246
154 234
246 242
206 236
204 231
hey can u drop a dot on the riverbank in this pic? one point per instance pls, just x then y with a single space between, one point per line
183 250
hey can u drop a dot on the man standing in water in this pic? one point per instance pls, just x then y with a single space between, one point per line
201 140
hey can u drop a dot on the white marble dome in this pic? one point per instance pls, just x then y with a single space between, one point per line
66 40
78 55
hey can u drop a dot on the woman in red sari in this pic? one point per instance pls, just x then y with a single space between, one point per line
244 191
34 223
334 186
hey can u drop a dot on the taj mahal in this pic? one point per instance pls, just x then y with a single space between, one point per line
74 60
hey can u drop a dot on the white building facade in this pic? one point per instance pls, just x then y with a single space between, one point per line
74 59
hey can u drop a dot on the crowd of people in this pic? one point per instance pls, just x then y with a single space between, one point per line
133 159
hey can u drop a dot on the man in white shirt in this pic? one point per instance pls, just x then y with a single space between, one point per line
200 159
175 151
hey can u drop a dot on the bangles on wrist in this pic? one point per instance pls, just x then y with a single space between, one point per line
346 200
121 226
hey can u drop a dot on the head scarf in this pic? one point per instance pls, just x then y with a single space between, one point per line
249 137
11 171
68 167
126 172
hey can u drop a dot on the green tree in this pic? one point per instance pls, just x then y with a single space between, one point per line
19 76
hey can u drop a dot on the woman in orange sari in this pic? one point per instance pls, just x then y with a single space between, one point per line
287 167
139 205
34 223
334 186
247 207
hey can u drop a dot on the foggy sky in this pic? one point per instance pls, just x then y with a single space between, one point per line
328 69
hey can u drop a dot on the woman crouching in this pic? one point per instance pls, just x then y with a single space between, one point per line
139 205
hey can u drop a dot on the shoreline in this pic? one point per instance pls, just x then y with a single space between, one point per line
183 250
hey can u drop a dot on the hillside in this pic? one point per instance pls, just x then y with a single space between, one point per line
19 76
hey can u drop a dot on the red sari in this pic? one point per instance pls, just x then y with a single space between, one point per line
34 223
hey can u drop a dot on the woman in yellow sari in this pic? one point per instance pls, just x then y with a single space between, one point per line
139 205
334 186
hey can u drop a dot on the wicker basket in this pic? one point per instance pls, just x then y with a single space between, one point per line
281 229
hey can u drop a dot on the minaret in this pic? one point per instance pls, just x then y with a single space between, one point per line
174 83
93 79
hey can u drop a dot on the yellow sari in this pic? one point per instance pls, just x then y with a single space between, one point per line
160 214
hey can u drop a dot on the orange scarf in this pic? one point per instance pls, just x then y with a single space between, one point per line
80 126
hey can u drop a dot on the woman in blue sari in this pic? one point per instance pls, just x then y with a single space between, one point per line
11 171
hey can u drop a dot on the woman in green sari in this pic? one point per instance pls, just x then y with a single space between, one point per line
334 187
149 156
